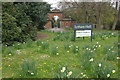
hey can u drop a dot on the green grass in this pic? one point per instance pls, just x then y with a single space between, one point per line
76 59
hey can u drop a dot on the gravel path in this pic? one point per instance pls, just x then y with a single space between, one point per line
56 29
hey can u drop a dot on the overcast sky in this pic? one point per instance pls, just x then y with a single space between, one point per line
54 2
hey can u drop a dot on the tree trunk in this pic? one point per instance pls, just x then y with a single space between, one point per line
115 18
115 21
99 17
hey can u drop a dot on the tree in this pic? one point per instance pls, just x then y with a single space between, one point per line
21 20
87 12
116 15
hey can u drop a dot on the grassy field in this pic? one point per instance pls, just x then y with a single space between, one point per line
61 57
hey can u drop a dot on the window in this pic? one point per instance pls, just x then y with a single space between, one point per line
66 24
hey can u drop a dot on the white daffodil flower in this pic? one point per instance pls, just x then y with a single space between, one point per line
99 45
118 57
81 73
91 60
108 75
113 71
9 54
84 75
70 73
76 46
91 51
63 68
68 51
99 65
87 48
57 54
32 73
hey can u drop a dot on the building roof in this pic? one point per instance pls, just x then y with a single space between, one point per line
56 11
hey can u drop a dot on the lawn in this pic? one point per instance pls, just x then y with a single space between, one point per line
60 57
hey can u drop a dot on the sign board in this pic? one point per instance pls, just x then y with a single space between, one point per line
82 30
83 33
82 26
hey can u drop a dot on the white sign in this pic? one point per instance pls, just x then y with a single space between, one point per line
83 33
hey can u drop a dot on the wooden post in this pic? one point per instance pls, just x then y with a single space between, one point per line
91 35
74 35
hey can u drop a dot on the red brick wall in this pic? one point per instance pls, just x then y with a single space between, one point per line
69 24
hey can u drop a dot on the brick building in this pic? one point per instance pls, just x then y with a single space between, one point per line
63 22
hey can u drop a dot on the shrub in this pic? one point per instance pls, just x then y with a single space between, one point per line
67 46
18 45
75 49
29 43
8 50
72 37
86 56
62 72
39 43
45 45
56 38
28 68
100 70
54 50
111 56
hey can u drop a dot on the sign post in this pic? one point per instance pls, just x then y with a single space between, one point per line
82 30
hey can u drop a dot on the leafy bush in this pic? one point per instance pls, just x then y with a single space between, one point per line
29 43
72 37
45 45
39 43
75 49
62 72
28 68
67 46
18 45
54 50
56 38
86 56
8 51
100 70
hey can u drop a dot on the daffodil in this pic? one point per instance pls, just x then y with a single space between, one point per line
91 60
63 68
118 57
76 46
99 45
108 75
97 42
68 51
87 48
91 51
113 71
99 65
32 73
70 73
57 54
84 75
